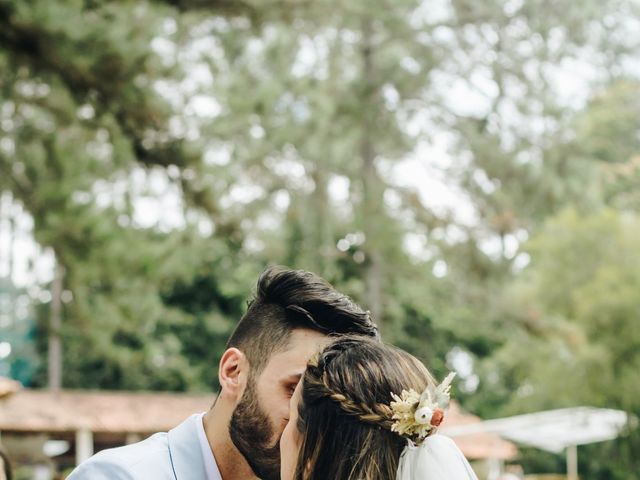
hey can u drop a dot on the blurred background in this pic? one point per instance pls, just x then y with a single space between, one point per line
468 170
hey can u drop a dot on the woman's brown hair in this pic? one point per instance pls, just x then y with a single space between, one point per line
344 415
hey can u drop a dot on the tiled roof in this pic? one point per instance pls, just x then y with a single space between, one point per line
8 387
99 411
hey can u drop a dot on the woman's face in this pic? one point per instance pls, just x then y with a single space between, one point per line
291 439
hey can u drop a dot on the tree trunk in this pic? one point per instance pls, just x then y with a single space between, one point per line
371 194
321 236
11 219
2 196
55 324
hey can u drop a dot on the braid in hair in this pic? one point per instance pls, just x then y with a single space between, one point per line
377 414
319 380
344 412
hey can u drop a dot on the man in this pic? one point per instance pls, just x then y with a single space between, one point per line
290 318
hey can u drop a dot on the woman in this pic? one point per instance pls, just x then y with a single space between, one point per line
368 411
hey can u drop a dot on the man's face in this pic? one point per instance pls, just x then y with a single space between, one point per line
291 440
263 412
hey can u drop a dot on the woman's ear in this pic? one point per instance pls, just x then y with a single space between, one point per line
233 373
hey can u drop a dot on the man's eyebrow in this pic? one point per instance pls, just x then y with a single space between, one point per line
293 378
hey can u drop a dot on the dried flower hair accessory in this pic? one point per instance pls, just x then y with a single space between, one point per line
418 415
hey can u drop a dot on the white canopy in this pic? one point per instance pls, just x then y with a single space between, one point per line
553 430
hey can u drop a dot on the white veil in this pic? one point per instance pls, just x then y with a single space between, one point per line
437 458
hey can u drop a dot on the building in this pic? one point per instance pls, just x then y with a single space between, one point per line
37 424
60 429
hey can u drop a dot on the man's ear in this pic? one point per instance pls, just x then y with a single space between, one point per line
233 373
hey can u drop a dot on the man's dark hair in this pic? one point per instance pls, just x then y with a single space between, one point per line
288 299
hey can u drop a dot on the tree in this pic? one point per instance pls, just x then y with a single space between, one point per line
276 131
575 338
81 116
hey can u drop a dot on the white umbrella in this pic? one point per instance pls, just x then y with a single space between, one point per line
555 430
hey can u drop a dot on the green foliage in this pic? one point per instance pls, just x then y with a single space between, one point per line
277 129
17 325
575 310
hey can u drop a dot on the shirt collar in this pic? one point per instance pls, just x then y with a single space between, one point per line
186 457
210 465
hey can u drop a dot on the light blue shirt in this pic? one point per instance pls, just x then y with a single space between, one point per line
175 455
210 464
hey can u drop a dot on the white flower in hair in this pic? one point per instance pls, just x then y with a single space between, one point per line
434 398
415 415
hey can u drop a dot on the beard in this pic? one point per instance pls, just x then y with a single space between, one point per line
251 433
